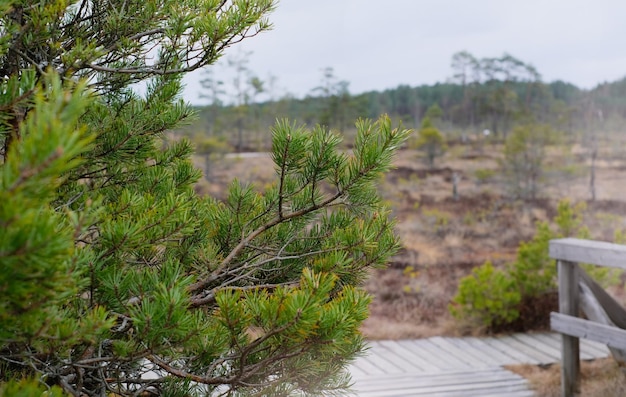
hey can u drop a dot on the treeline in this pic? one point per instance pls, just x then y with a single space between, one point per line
494 94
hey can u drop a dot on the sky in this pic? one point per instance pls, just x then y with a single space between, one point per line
376 45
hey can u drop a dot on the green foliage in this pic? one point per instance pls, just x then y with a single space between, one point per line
487 297
484 174
524 154
29 388
210 145
493 297
496 93
438 220
114 269
434 112
431 141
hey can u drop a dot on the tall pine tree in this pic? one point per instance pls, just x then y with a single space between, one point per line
117 279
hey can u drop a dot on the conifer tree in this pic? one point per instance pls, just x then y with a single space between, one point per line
430 141
117 279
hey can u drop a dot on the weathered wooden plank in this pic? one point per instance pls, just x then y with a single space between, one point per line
594 349
589 349
434 362
452 360
446 377
399 362
521 357
476 382
415 359
480 355
431 354
477 388
365 366
570 346
586 251
466 376
462 355
552 350
482 345
520 390
494 360
612 308
355 371
581 328
382 363
538 356
595 310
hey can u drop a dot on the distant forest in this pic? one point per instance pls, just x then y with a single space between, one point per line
494 94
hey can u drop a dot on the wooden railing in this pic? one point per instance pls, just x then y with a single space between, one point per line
606 319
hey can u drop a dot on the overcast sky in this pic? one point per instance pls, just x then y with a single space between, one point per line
375 45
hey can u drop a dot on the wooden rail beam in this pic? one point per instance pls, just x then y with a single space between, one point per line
581 328
586 251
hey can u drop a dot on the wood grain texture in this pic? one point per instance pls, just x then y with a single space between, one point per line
586 251
457 367
581 328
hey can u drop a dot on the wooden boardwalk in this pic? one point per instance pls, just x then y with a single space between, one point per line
450 367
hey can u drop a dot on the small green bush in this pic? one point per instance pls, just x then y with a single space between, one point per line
483 175
431 141
494 298
438 220
487 297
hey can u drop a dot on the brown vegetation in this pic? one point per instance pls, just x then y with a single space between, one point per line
444 238
599 378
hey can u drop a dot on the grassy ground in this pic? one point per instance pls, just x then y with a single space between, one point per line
444 238
599 378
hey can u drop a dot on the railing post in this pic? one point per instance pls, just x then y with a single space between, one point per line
569 305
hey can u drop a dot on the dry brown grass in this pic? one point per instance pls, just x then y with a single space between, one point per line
599 378
482 225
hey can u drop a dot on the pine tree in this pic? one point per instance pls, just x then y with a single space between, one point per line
430 141
117 279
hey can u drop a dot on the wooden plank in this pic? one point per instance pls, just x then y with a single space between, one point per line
467 376
399 362
570 347
553 350
462 355
588 348
452 360
521 357
586 251
508 393
595 311
477 388
613 309
366 366
355 371
538 356
414 346
594 349
502 358
432 354
612 336
382 363
417 361
387 383
481 358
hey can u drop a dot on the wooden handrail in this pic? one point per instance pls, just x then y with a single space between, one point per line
587 251
569 252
